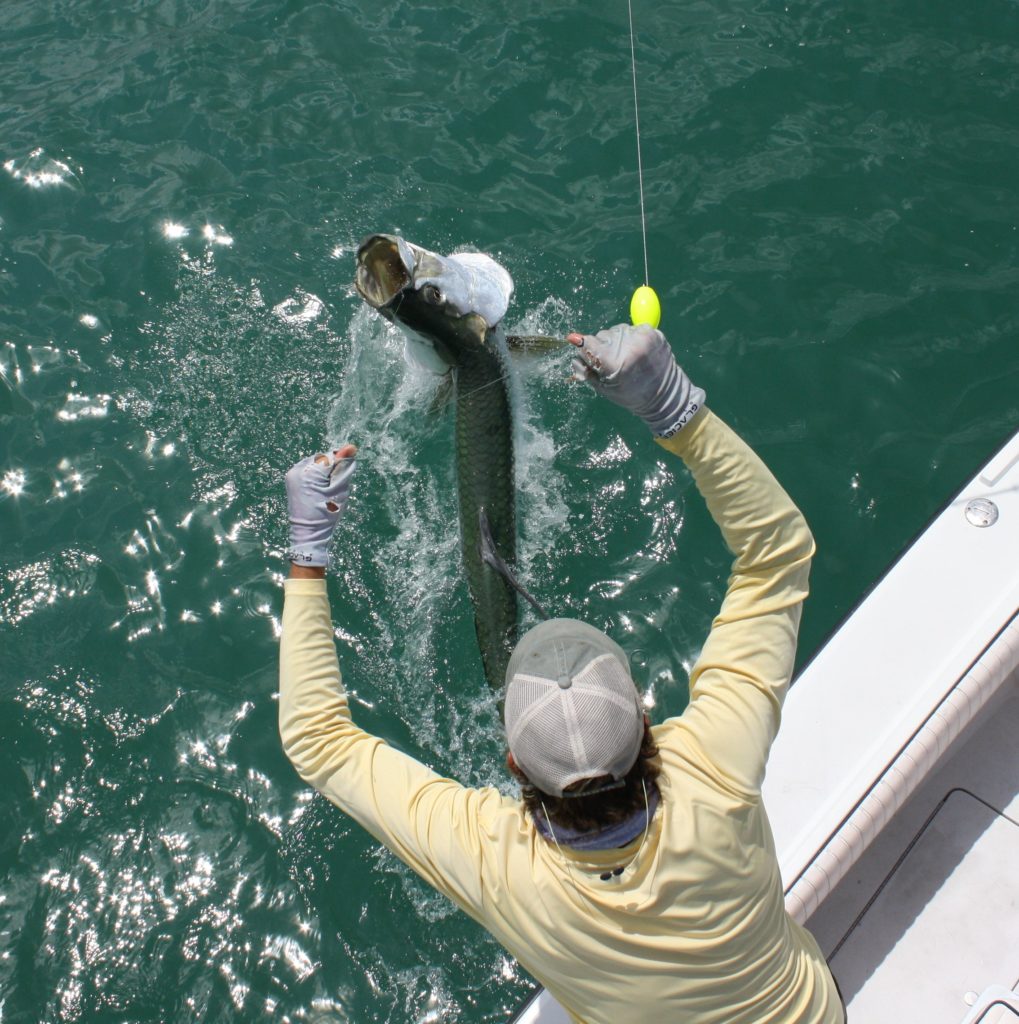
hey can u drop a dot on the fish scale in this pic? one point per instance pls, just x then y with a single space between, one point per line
485 474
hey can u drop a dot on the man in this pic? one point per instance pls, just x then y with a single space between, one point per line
637 879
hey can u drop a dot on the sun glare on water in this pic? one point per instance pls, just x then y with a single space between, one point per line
13 482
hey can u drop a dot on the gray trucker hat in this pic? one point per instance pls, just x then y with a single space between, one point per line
572 711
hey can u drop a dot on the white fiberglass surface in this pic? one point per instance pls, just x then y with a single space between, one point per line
868 691
946 916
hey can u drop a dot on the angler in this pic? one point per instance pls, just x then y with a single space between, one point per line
636 878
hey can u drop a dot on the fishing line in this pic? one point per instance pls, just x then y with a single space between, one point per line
481 387
645 307
636 121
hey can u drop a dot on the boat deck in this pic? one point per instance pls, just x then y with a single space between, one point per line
927 920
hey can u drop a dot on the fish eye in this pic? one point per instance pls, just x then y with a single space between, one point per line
431 294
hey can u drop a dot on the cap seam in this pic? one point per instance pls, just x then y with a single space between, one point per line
573 731
529 713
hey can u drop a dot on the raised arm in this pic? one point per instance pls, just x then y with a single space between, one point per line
740 680
430 822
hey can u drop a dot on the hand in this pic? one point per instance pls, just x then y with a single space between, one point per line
634 367
318 488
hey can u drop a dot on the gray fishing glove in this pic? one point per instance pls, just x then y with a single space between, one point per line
317 491
635 368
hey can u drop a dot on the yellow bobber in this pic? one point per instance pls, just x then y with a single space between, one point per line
645 307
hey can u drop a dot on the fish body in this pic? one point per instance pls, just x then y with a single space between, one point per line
451 308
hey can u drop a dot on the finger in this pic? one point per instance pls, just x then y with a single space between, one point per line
575 339
347 451
300 466
582 373
590 358
339 477
324 468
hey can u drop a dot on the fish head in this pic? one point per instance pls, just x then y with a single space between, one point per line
446 304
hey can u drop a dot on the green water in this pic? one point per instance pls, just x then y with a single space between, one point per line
833 229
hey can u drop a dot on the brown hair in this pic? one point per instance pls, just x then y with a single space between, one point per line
600 810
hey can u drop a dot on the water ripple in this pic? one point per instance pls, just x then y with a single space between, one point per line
834 232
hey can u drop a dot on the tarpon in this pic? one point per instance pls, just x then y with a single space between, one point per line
451 309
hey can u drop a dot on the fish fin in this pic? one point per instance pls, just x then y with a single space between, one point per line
491 557
534 344
443 395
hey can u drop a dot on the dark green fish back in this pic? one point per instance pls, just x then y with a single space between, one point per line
485 479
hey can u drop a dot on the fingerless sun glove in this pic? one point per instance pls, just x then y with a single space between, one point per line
634 367
318 488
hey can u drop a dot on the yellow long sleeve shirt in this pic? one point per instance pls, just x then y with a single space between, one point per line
694 929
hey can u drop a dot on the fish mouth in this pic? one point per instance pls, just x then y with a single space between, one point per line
385 269
449 304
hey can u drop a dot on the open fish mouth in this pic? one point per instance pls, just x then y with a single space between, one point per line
391 272
385 269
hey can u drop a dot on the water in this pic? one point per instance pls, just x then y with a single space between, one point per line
833 230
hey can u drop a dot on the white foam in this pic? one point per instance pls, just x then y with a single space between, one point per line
409 520
404 522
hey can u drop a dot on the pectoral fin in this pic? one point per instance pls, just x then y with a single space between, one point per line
491 557
534 343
